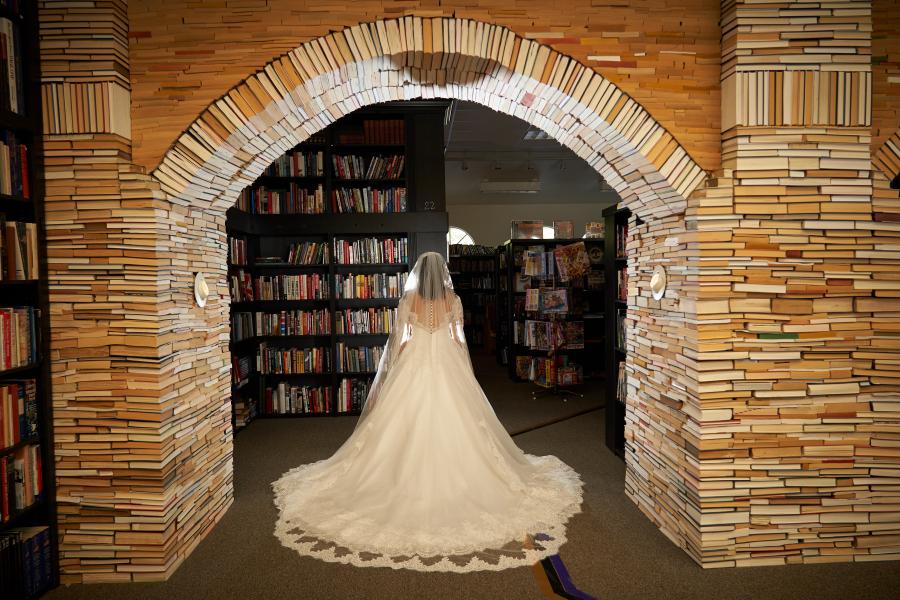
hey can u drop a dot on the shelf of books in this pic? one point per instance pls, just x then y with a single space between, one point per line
616 310
319 250
473 269
550 310
28 539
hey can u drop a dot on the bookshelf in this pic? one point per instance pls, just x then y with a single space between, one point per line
616 306
473 269
319 249
585 301
28 531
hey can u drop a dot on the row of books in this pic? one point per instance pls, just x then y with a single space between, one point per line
358 359
369 200
620 329
473 282
374 131
457 250
283 323
287 399
290 200
352 394
373 285
308 253
21 480
471 264
537 263
13 166
241 367
12 91
26 564
549 335
298 164
621 383
365 320
311 286
240 286
293 322
291 361
15 6
18 336
621 239
245 408
18 412
371 251
549 371
378 167
18 250
622 284
237 251
241 326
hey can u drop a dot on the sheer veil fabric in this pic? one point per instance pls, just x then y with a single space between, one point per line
429 479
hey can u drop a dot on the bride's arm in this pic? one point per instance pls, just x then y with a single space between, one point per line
457 322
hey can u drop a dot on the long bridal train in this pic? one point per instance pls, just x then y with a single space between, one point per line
429 480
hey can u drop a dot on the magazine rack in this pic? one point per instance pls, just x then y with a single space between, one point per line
553 388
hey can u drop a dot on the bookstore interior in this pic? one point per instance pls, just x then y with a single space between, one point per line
512 325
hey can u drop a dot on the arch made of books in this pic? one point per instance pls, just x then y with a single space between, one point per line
301 92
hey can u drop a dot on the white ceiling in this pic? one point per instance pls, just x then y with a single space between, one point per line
486 145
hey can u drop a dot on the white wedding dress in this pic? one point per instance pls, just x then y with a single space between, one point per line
429 480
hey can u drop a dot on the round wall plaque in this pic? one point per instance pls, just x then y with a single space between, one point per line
658 282
201 290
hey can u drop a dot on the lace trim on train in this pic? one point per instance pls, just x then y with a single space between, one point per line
535 530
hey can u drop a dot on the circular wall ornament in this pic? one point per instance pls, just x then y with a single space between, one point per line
201 290
658 282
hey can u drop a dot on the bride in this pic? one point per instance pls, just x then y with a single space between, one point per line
429 480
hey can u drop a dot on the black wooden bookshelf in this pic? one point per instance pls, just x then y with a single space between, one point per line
26 128
616 262
591 357
424 226
475 282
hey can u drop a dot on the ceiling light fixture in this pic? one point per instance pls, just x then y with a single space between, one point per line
510 187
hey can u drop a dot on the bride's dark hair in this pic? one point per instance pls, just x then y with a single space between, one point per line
432 276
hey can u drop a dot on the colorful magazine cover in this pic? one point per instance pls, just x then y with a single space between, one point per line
542 337
533 263
523 367
574 335
555 301
572 261
533 300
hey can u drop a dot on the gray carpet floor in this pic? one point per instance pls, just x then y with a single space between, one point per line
613 553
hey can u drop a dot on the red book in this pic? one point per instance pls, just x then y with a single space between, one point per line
23 160
4 488
6 351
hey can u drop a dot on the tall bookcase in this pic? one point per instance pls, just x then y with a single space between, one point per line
585 300
28 536
616 261
340 160
474 272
